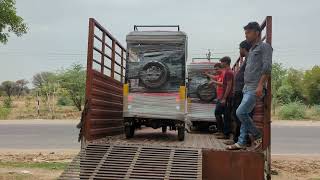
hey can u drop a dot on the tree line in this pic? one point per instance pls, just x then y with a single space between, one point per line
64 87
295 91
67 87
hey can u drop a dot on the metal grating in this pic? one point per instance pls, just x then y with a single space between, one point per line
107 161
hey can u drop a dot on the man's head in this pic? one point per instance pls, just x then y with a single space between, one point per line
252 31
244 48
225 61
217 68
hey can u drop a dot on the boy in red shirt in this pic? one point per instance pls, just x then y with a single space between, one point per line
224 83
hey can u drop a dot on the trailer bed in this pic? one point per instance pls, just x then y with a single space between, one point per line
155 138
151 154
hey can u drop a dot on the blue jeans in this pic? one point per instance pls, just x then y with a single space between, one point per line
243 113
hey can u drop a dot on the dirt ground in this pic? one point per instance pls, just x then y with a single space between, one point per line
296 167
29 173
284 167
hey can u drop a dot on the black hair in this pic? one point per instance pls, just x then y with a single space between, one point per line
253 26
226 60
217 66
245 45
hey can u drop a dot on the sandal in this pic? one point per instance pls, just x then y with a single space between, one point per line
235 146
218 134
256 145
223 137
228 142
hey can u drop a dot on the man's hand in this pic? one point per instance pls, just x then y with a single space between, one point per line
223 101
259 91
210 83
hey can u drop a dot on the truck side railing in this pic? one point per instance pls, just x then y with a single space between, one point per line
106 61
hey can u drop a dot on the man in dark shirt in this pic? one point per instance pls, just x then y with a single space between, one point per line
237 88
257 71
223 107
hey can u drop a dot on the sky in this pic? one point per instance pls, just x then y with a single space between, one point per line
57 35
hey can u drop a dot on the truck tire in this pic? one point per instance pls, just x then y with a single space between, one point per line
154 75
206 93
129 131
181 132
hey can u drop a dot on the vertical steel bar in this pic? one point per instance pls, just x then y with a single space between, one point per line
89 75
103 51
122 67
113 57
268 98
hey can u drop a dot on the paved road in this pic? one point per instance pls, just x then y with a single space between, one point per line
297 139
41 134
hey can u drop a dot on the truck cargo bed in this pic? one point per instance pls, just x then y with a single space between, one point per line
151 154
154 137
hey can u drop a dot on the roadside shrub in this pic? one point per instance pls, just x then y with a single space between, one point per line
4 112
7 103
285 94
315 110
293 110
64 101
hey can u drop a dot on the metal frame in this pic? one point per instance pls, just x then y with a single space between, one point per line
135 27
107 161
103 89
209 60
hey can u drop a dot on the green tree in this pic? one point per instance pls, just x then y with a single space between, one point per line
42 78
8 87
49 90
21 87
278 74
10 22
285 94
311 82
73 81
293 84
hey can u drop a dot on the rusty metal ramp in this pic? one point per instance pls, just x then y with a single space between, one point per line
107 161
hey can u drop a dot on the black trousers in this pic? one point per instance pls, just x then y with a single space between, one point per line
223 116
236 101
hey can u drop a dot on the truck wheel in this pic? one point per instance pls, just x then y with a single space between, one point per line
206 93
154 75
164 129
129 131
181 132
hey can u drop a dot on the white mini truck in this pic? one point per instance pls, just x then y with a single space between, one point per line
155 88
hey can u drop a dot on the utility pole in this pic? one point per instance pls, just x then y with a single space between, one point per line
38 104
209 55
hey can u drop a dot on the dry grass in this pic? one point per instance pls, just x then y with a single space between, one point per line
26 108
